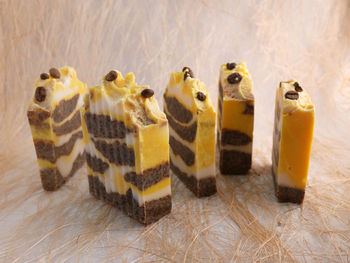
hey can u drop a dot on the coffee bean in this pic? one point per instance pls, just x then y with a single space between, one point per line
112 75
189 71
297 87
201 96
40 94
147 93
187 74
44 76
54 73
234 78
291 95
231 66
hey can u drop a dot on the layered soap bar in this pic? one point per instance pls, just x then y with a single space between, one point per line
235 119
54 118
292 139
127 147
192 132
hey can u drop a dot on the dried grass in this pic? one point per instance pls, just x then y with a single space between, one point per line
279 40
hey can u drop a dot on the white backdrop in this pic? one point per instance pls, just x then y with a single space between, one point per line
279 40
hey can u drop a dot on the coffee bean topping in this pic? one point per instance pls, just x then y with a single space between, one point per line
201 96
297 87
187 74
112 75
40 94
231 66
189 71
147 93
234 78
291 95
54 73
44 76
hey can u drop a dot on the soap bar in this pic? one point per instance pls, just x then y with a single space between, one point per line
235 119
54 119
127 147
192 120
292 139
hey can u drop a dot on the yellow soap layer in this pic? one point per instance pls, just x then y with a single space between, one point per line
295 146
90 171
205 139
152 147
86 136
233 117
43 132
120 183
121 186
120 87
45 163
152 189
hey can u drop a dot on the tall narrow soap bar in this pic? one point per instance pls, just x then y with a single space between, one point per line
235 119
191 119
292 139
54 118
127 147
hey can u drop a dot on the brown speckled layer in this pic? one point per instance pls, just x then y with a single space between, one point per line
234 137
148 213
183 151
103 126
52 179
37 117
117 152
201 188
234 162
96 164
286 194
68 126
65 108
187 133
148 177
177 110
47 150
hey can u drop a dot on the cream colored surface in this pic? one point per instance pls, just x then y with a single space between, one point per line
65 87
279 40
242 90
303 103
186 91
